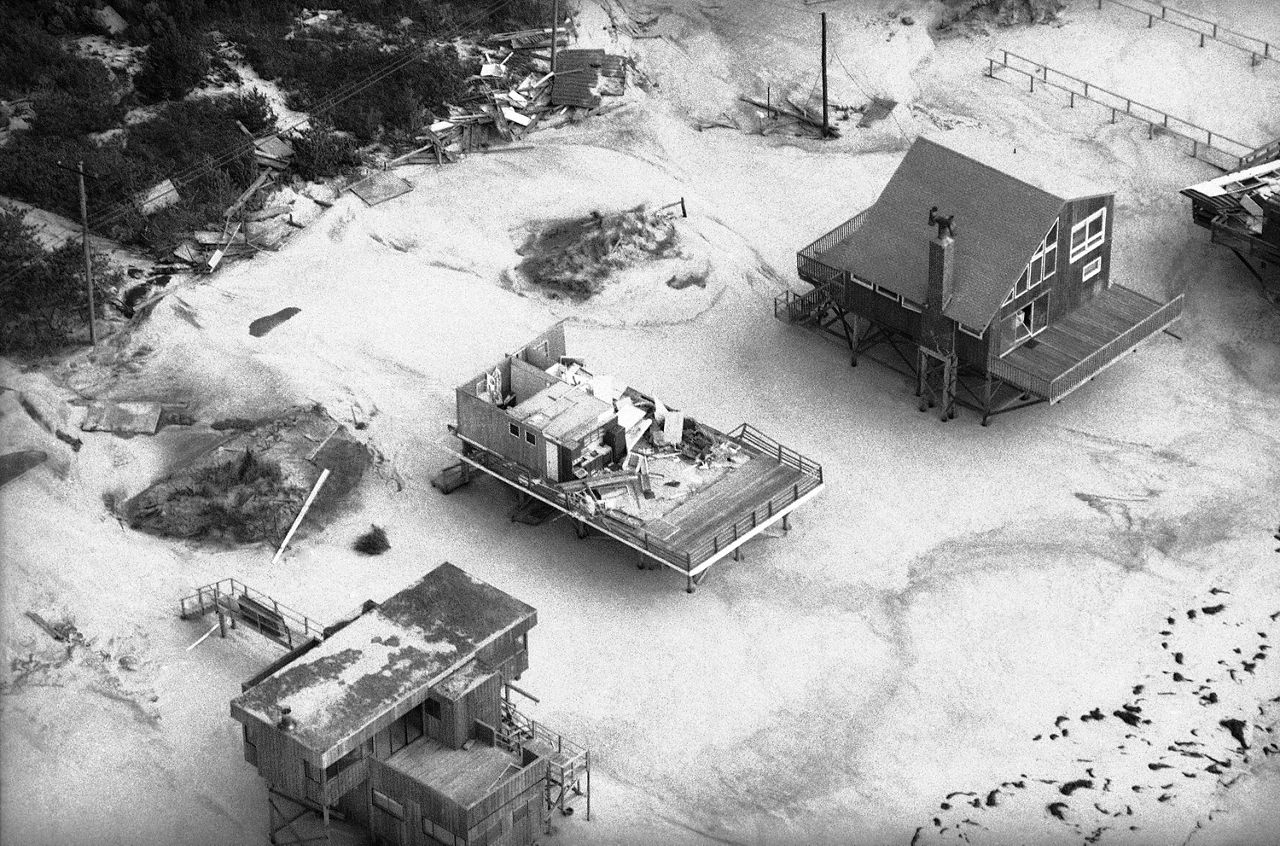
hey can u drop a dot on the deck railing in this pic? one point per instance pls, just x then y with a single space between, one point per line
1207 145
1266 153
826 280
565 759
688 558
835 236
1257 48
1095 362
225 595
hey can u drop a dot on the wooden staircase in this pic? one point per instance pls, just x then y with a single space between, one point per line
235 602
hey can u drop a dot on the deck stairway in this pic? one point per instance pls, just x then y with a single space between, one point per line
236 602
568 764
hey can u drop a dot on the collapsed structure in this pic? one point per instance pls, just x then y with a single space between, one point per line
1011 304
400 721
1242 212
622 463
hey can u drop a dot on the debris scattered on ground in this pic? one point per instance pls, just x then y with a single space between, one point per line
578 256
122 418
14 464
372 542
252 486
263 325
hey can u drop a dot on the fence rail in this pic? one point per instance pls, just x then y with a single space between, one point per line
1257 48
1207 145
1092 364
225 596
1264 154
683 559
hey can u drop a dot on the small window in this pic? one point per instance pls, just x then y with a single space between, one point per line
885 292
481 388
864 283
514 430
385 803
433 709
1050 261
529 438
1092 269
911 305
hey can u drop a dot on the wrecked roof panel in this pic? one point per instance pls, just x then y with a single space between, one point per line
396 651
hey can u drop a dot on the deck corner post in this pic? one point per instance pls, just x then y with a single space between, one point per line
689 588
786 522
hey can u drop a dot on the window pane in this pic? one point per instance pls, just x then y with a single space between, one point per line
1022 282
1050 262
1037 270
513 429
1052 238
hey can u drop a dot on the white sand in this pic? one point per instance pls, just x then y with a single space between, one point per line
953 591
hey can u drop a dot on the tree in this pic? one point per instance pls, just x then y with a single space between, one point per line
43 301
173 66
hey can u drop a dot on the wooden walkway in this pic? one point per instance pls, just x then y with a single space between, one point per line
698 519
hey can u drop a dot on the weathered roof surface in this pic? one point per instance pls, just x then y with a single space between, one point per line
1003 203
577 78
564 413
396 651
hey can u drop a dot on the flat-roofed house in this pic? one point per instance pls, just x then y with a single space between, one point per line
399 722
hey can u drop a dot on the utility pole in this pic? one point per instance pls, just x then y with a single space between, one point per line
826 124
555 31
84 238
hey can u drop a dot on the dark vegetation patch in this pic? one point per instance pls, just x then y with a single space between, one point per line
372 542
576 257
263 325
251 487
44 304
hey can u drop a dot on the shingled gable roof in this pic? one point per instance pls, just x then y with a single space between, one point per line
1003 204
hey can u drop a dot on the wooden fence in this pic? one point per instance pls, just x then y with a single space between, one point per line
1207 145
1257 48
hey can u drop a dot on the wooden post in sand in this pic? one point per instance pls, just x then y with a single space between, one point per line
306 506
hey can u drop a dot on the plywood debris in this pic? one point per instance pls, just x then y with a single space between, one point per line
380 187
159 196
122 418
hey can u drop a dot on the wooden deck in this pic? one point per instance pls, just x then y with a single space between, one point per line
464 776
1079 346
697 520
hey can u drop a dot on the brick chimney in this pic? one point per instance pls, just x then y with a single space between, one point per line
940 261
937 331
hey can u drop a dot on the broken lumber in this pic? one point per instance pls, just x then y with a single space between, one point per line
306 506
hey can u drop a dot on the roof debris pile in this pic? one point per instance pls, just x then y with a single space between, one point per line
576 257
251 486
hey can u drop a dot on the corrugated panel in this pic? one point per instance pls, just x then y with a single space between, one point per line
1000 220
577 78
613 66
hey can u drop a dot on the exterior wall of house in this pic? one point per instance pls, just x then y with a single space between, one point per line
546 349
1067 289
527 380
871 305
420 816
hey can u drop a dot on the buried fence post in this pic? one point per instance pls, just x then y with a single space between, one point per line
683 212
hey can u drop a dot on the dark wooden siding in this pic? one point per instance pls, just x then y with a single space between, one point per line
1073 291
971 350
866 303
280 759
533 352
527 380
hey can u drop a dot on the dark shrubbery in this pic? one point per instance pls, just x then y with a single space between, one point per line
173 66
83 98
253 109
319 152
43 302
27 51
372 542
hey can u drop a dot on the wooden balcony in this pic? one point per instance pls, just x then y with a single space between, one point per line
1081 345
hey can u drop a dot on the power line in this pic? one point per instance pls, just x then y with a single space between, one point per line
330 101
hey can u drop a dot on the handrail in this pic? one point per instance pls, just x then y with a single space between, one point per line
688 558
1191 23
1262 155
1199 136
1089 366
211 593
835 236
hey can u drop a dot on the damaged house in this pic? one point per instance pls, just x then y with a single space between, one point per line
620 462
1242 213
988 275
399 722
